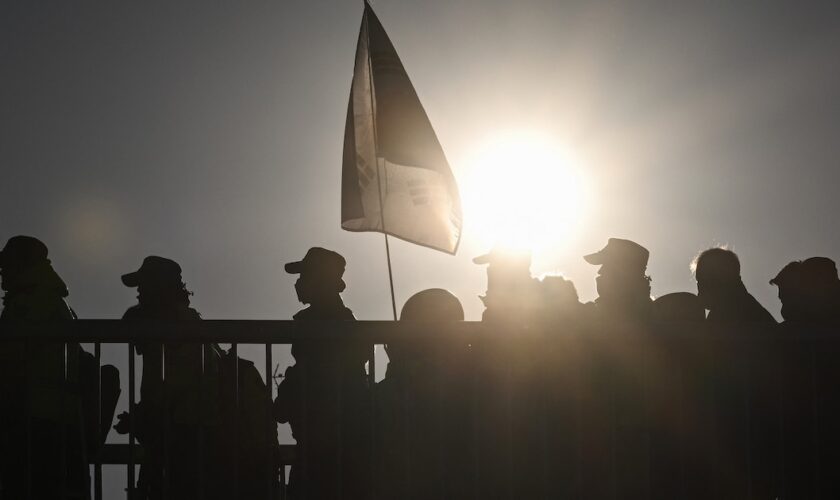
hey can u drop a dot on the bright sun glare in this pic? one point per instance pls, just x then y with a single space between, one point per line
523 192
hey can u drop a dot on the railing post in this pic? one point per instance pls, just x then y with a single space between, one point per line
27 418
372 441
234 349
272 427
131 422
166 423
816 423
65 386
201 422
97 467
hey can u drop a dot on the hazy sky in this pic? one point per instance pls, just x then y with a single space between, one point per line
211 133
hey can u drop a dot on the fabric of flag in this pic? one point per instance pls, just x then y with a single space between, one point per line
395 177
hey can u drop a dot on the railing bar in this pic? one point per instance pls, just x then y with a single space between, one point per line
131 415
815 407
474 422
65 386
27 418
408 422
646 412
97 467
234 349
283 482
682 428
748 420
372 421
339 413
780 385
510 460
303 475
613 434
272 427
166 423
201 421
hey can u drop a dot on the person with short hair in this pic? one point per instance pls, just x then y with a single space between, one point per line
722 292
809 291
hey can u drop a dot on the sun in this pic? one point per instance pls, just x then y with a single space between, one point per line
523 191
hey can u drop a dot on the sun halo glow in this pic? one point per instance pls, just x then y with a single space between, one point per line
523 192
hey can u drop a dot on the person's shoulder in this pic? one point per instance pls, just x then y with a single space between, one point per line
759 312
347 314
134 312
190 313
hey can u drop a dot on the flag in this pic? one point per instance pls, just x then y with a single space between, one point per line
395 177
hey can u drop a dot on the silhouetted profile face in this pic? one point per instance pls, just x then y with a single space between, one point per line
791 292
718 275
19 255
505 268
321 272
621 277
809 290
158 281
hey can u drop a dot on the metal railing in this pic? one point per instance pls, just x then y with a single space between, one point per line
607 411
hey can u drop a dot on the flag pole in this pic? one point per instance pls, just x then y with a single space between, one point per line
378 176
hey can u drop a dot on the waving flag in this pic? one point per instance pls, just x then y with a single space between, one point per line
395 177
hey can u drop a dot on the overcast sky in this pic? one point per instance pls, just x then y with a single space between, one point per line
211 133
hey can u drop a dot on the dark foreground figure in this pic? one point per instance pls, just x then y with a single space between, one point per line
324 395
423 413
39 385
176 412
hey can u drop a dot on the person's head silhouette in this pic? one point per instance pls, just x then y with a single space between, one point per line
434 305
621 278
24 266
809 290
718 275
158 282
321 273
678 307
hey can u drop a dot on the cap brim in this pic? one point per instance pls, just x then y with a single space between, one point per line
131 279
294 267
596 259
483 259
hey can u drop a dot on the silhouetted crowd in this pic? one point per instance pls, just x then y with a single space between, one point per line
517 415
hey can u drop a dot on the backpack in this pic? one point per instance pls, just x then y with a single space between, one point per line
252 429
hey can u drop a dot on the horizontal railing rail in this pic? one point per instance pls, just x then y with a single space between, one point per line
375 332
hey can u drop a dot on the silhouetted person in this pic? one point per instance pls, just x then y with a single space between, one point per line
623 287
176 407
615 415
513 295
38 384
323 396
560 301
424 434
810 294
722 292
677 307
737 379
505 389
809 291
